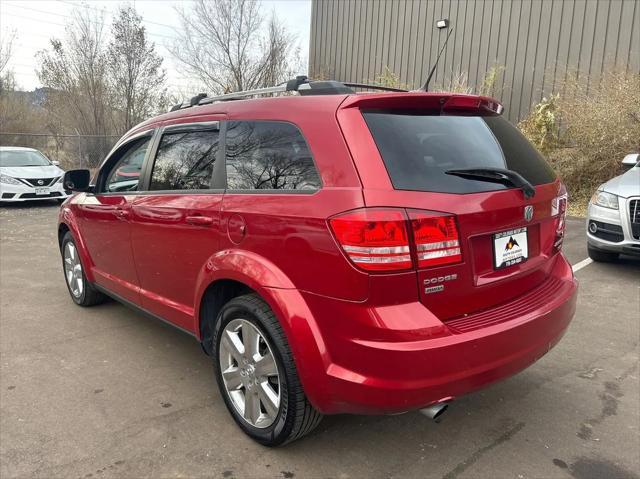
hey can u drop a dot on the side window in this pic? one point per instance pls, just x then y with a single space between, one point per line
268 155
125 174
185 161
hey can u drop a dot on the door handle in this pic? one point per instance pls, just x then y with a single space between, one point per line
199 220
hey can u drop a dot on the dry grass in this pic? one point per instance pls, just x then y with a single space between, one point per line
586 130
388 78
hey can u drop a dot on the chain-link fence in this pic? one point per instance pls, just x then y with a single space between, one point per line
72 151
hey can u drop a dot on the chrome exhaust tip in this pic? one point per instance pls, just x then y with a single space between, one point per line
435 411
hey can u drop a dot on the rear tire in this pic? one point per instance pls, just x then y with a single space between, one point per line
82 292
245 373
601 256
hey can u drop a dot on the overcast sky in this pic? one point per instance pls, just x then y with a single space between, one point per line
36 21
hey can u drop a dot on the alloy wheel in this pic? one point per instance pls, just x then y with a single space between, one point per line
73 270
250 373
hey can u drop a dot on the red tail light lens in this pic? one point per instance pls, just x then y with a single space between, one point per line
436 238
374 239
559 210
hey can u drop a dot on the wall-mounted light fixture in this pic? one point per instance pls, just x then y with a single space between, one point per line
444 23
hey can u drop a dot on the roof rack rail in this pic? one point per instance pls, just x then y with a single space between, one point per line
301 84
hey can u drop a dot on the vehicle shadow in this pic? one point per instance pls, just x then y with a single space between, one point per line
625 262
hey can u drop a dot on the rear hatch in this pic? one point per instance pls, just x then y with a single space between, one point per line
475 243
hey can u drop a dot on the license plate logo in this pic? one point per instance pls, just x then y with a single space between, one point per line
510 247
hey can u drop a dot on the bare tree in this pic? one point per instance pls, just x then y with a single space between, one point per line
135 69
6 47
225 46
75 71
7 81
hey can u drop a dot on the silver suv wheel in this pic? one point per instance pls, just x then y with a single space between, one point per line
249 372
73 270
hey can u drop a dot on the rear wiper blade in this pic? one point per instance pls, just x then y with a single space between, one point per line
496 175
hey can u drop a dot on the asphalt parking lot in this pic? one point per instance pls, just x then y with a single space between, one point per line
107 392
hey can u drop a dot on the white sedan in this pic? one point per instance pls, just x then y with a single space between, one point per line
27 175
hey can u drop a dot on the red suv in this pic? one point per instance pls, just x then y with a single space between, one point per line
332 251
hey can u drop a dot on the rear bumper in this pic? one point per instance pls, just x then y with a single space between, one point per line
404 372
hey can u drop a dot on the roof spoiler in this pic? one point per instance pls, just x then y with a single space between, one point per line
419 100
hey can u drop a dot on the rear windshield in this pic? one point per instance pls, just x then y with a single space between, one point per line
418 148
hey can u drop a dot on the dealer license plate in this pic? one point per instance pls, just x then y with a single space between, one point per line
510 247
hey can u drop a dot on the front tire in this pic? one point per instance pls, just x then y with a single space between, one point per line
601 256
82 292
257 376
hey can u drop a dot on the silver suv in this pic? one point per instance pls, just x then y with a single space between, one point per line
613 219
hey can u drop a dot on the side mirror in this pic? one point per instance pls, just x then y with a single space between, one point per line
631 160
76 180
55 163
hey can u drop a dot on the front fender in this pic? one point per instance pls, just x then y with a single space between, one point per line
300 327
68 218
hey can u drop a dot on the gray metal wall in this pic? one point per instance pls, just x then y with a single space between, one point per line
536 41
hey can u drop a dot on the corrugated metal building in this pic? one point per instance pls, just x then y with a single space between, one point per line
536 41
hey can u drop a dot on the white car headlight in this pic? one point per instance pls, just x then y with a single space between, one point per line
9 180
604 199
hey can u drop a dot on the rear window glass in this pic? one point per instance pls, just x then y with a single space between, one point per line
268 155
418 148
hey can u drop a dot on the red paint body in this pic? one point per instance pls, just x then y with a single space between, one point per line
362 342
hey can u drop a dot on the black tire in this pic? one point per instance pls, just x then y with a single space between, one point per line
296 416
601 256
61 200
89 296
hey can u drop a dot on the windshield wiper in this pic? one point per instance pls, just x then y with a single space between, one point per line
496 175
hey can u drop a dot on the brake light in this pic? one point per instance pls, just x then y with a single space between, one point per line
374 239
436 238
559 210
472 103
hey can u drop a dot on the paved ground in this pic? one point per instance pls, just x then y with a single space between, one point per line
106 392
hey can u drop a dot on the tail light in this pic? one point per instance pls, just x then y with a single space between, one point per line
436 239
374 239
559 210
377 239
462 103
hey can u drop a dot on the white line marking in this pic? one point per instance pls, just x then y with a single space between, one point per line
578 266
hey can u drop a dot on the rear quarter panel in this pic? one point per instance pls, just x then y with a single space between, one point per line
290 229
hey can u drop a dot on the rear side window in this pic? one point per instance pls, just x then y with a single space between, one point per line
185 161
418 148
268 155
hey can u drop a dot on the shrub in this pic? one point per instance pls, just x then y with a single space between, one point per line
586 130
388 78
459 83
541 126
